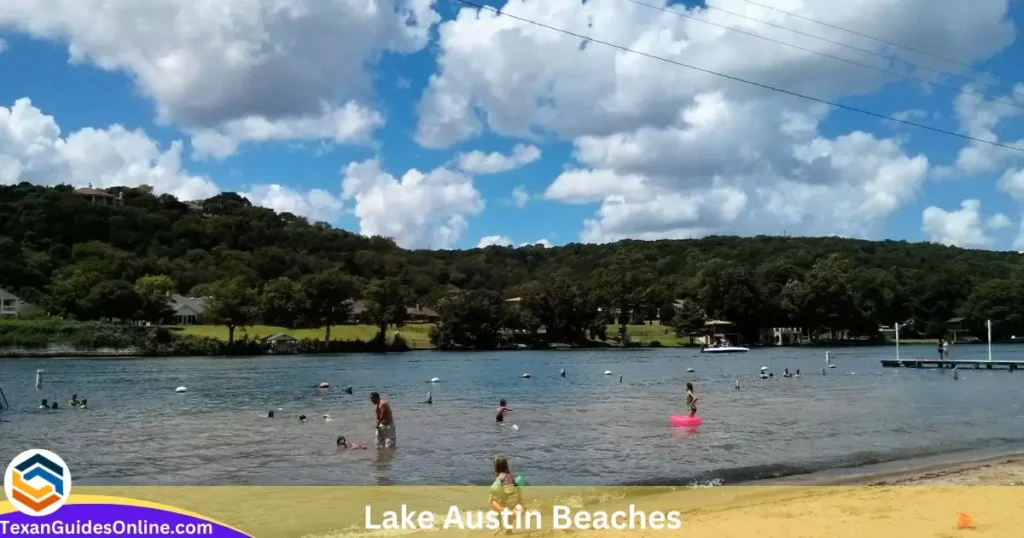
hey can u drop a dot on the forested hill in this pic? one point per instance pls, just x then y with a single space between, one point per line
50 236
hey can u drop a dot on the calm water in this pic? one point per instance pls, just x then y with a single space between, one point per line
586 428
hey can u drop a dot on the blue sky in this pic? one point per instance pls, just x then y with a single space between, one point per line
649 189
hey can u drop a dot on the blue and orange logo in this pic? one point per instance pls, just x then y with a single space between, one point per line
37 482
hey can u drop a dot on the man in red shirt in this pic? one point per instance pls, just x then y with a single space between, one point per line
386 437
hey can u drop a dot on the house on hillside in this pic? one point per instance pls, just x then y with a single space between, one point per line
187 310
784 336
12 305
100 197
421 314
957 328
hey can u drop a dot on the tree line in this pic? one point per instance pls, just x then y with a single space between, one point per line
88 261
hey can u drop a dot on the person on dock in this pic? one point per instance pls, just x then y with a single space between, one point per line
501 410
386 436
348 445
941 342
691 400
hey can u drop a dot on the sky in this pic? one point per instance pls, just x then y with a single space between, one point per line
443 125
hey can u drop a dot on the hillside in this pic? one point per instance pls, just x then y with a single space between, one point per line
81 259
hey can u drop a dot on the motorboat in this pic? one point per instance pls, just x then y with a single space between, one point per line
724 347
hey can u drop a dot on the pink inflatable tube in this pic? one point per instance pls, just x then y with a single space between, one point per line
685 420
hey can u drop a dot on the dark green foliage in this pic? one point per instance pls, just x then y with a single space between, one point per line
86 262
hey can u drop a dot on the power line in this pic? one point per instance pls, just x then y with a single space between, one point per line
871 37
851 47
738 79
832 56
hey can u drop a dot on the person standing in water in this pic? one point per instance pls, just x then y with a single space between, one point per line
386 436
691 400
502 409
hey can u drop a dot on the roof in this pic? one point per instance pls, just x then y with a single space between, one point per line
956 320
280 337
7 296
180 303
422 312
93 192
717 323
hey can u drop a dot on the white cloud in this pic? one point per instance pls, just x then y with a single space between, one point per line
961 228
1012 182
520 196
492 240
419 210
317 205
350 123
673 152
998 221
540 242
1018 243
32 149
478 162
3 44
209 65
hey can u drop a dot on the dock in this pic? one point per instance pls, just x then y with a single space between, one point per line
1010 365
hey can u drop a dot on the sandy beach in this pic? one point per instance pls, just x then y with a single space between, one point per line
923 502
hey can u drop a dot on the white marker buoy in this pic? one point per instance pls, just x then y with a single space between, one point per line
180 389
39 379
514 427
562 373
435 380
527 375
607 372
325 385
689 369
737 384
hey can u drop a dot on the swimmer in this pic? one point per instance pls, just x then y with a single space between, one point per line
786 373
797 374
764 373
502 409
504 491
691 400
343 443
302 418
771 375
54 406
385 429
74 400
270 414
83 403
45 404
327 418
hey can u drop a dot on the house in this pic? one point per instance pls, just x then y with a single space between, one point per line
783 336
957 328
11 305
100 197
281 343
187 310
421 314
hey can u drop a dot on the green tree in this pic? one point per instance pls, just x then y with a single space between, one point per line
622 286
329 297
112 300
469 319
282 302
384 303
729 292
1001 301
231 303
688 319
153 292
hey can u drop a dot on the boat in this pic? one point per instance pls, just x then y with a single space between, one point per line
724 347
716 334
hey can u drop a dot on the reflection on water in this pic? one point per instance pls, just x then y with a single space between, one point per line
585 428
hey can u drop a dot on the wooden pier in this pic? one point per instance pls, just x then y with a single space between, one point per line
1010 365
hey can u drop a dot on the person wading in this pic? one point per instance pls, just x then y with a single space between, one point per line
386 437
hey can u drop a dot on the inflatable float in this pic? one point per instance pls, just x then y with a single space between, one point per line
685 420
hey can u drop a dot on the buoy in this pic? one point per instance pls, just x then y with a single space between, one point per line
737 384
607 372
435 380
325 385
689 369
764 368
180 389
620 379
964 521
955 376
514 427
348 390
563 372
39 379
527 375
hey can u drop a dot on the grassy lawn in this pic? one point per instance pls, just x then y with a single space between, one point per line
417 336
647 333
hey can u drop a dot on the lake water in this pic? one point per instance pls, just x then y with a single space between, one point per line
586 428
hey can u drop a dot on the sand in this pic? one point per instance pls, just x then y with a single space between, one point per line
919 503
